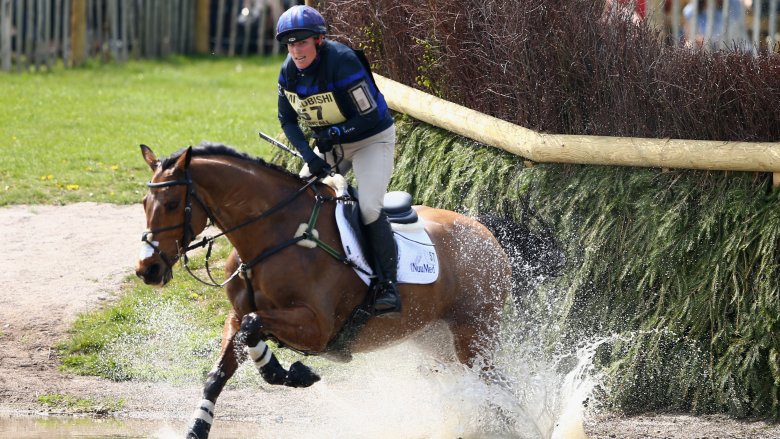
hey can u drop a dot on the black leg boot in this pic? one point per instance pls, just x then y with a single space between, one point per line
382 243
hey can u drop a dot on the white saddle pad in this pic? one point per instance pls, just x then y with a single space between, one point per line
417 260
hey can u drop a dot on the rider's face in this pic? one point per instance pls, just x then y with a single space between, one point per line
303 52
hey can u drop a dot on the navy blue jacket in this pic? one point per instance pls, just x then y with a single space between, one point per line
336 90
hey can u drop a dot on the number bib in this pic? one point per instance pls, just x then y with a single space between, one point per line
316 110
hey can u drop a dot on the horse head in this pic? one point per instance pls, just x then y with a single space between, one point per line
171 219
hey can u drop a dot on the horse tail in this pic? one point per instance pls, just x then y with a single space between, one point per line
533 250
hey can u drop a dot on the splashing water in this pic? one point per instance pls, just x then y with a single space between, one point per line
402 391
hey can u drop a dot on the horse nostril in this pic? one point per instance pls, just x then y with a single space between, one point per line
153 272
150 274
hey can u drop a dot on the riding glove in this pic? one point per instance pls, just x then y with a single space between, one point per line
318 167
325 139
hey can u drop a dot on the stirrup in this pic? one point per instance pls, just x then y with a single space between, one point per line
387 301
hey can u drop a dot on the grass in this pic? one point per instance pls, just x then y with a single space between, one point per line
73 404
73 135
149 334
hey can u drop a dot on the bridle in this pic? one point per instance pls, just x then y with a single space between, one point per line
189 234
186 224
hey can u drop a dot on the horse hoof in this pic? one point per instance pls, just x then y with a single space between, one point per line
198 430
300 375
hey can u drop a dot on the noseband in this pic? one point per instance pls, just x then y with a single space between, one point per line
186 225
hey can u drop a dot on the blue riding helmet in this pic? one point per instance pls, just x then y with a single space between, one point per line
298 23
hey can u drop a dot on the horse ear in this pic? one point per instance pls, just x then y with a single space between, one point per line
183 162
149 157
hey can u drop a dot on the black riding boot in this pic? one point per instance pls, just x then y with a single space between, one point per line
382 243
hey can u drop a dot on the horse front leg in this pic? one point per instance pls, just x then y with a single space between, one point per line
225 367
251 335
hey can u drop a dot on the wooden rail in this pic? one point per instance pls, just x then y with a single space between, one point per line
591 150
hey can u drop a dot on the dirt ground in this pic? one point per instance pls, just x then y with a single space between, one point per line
63 260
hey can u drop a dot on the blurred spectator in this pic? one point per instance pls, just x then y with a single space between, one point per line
637 11
705 24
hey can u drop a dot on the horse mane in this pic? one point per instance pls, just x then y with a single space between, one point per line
206 149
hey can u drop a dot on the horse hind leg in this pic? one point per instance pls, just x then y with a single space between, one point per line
250 335
473 342
475 347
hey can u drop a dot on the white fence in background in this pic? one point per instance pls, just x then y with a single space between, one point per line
714 24
38 33
729 22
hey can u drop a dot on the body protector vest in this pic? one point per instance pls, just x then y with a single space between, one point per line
338 89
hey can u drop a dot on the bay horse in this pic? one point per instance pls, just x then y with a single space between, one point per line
302 297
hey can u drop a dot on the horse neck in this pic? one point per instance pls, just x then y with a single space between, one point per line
236 191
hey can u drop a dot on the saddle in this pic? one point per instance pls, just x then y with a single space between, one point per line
397 207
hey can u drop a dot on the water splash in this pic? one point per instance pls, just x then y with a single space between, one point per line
537 392
403 392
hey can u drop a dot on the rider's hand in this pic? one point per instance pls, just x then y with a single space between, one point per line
325 139
319 167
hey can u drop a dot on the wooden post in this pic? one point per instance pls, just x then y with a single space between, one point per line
29 34
58 19
676 9
181 15
66 55
220 27
49 47
202 26
189 15
134 30
165 28
6 12
756 25
112 12
277 8
78 26
40 39
149 34
100 31
262 28
19 36
233 25
124 8
174 23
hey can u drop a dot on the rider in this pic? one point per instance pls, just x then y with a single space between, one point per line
328 87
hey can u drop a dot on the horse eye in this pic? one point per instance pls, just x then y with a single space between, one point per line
172 205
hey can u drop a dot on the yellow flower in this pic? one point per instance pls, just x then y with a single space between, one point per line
71 187
47 177
114 167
